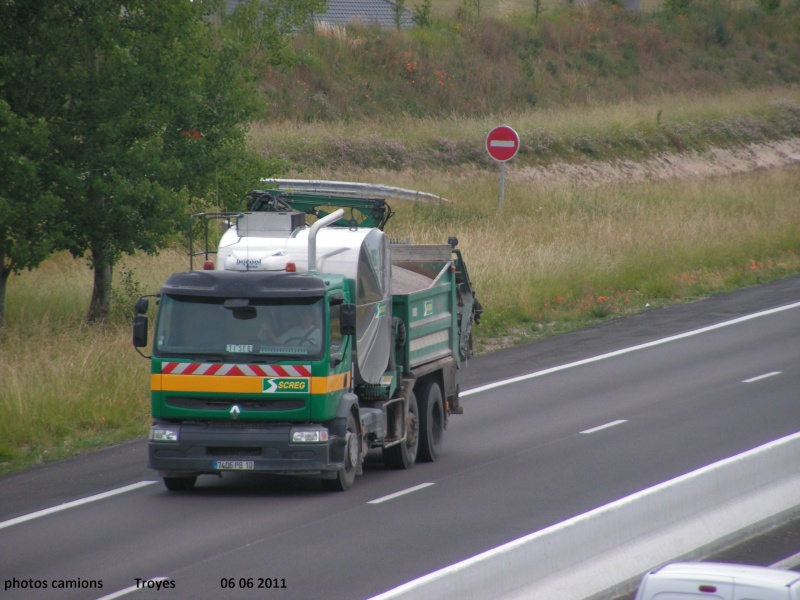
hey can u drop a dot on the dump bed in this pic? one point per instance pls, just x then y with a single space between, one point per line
424 298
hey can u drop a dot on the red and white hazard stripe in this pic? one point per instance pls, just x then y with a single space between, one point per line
189 368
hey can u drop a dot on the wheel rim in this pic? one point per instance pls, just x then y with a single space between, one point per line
351 452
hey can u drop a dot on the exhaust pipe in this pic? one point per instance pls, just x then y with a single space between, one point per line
312 236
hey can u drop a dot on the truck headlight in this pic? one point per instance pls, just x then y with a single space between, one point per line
159 433
309 436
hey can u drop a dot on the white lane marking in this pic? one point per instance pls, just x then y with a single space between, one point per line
73 504
133 588
606 426
760 377
586 361
402 590
400 493
788 563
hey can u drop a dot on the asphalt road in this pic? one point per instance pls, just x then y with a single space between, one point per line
562 440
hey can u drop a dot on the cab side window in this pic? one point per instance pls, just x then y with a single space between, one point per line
336 331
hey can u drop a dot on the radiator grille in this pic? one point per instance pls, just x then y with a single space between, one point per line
218 451
225 404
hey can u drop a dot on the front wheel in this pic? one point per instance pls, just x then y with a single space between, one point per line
431 422
404 454
346 477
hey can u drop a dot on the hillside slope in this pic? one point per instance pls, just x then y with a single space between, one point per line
579 55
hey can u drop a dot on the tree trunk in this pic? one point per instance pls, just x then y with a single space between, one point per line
4 275
101 290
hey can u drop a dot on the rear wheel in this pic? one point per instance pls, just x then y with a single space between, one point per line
404 454
180 484
346 477
431 422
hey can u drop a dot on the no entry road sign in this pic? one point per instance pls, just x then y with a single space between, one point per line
502 143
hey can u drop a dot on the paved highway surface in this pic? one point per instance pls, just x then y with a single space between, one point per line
593 416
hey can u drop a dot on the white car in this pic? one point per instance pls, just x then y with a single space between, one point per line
718 581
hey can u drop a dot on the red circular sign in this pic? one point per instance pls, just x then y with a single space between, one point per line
502 143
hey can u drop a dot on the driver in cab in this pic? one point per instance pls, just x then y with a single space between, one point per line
305 330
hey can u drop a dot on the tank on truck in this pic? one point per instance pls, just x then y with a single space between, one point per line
365 211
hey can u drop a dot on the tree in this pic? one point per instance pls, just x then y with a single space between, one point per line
29 226
144 105
422 14
399 7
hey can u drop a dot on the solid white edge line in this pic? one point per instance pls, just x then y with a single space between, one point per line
788 563
132 588
74 503
468 562
760 377
606 426
400 493
586 361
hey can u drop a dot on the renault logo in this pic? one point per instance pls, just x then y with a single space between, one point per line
235 410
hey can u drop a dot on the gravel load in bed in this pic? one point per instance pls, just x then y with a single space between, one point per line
408 282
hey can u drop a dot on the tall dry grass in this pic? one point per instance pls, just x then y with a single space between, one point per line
509 8
565 252
67 386
625 129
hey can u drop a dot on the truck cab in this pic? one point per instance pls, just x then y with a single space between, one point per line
253 379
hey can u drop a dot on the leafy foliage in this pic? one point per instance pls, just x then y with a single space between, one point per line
677 7
29 210
770 6
422 14
137 107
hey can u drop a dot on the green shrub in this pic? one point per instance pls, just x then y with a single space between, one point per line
769 6
674 8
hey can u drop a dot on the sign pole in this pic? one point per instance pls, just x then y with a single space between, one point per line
502 184
502 144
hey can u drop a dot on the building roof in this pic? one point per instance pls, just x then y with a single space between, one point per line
368 12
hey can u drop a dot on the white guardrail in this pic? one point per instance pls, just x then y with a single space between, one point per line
606 551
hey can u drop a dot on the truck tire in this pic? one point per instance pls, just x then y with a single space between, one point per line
352 456
180 484
404 454
431 421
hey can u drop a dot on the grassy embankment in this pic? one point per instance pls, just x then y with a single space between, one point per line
564 253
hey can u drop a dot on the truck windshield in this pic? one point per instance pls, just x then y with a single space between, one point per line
274 328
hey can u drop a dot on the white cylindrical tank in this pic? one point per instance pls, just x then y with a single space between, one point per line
361 255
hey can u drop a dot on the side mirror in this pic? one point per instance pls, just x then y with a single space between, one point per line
347 319
142 304
139 330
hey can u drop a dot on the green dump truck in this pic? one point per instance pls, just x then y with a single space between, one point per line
298 348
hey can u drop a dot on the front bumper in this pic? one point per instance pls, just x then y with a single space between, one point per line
261 448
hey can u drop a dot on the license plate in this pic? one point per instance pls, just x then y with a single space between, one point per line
234 465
